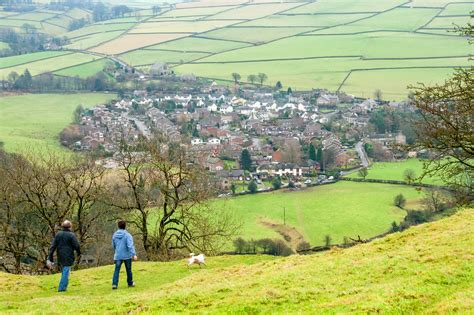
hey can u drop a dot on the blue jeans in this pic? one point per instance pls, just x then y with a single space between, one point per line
65 271
128 268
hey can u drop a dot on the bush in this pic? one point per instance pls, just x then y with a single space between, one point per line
276 182
399 201
252 187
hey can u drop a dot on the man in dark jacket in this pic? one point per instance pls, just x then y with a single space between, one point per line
65 243
122 241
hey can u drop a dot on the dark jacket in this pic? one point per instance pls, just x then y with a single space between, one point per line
65 243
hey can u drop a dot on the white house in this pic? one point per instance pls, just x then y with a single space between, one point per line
196 141
212 108
214 141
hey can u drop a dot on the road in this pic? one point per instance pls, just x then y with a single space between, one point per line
362 155
364 161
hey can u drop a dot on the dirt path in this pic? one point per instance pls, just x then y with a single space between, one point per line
291 235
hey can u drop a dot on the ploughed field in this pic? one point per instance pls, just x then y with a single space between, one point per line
426 269
348 45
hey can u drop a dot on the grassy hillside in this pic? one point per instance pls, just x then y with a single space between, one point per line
426 269
351 45
35 120
339 210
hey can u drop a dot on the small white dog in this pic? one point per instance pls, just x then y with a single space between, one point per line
199 259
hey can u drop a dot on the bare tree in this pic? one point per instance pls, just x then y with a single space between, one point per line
252 78
409 176
262 77
236 77
378 95
167 198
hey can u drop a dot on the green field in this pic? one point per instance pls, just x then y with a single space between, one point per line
50 64
148 57
191 44
342 209
35 120
84 70
426 269
365 44
86 42
255 35
395 170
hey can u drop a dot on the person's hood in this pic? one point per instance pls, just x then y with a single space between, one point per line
120 234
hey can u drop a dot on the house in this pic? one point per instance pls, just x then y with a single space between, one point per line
287 169
214 164
327 100
196 141
216 141
159 69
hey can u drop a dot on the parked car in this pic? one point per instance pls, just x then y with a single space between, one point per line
308 182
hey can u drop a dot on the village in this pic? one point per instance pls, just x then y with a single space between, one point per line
296 136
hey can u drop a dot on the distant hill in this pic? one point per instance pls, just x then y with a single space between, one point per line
356 46
428 268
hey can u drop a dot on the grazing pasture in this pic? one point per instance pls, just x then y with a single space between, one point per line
395 171
179 26
87 42
352 45
341 209
148 57
35 120
84 70
11 61
194 44
130 42
254 34
50 64
426 269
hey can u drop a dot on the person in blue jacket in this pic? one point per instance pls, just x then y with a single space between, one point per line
122 241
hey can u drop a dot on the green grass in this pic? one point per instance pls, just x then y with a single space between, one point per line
393 82
395 170
196 11
346 6
86 42
22 59
449 22
51 64
148 57
85 70
35 120
255 11
386 31
458 9
426 269
305 20
254 34
330 72
97 30
342 209
199 44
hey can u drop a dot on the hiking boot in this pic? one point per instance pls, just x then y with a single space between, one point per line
131 285
114 287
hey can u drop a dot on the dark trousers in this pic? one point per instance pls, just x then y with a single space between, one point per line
128 268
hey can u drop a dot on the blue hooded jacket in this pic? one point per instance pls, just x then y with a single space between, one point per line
122 241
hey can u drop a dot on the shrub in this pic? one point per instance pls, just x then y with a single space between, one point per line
399 201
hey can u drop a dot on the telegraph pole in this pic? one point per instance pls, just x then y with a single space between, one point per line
284 216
